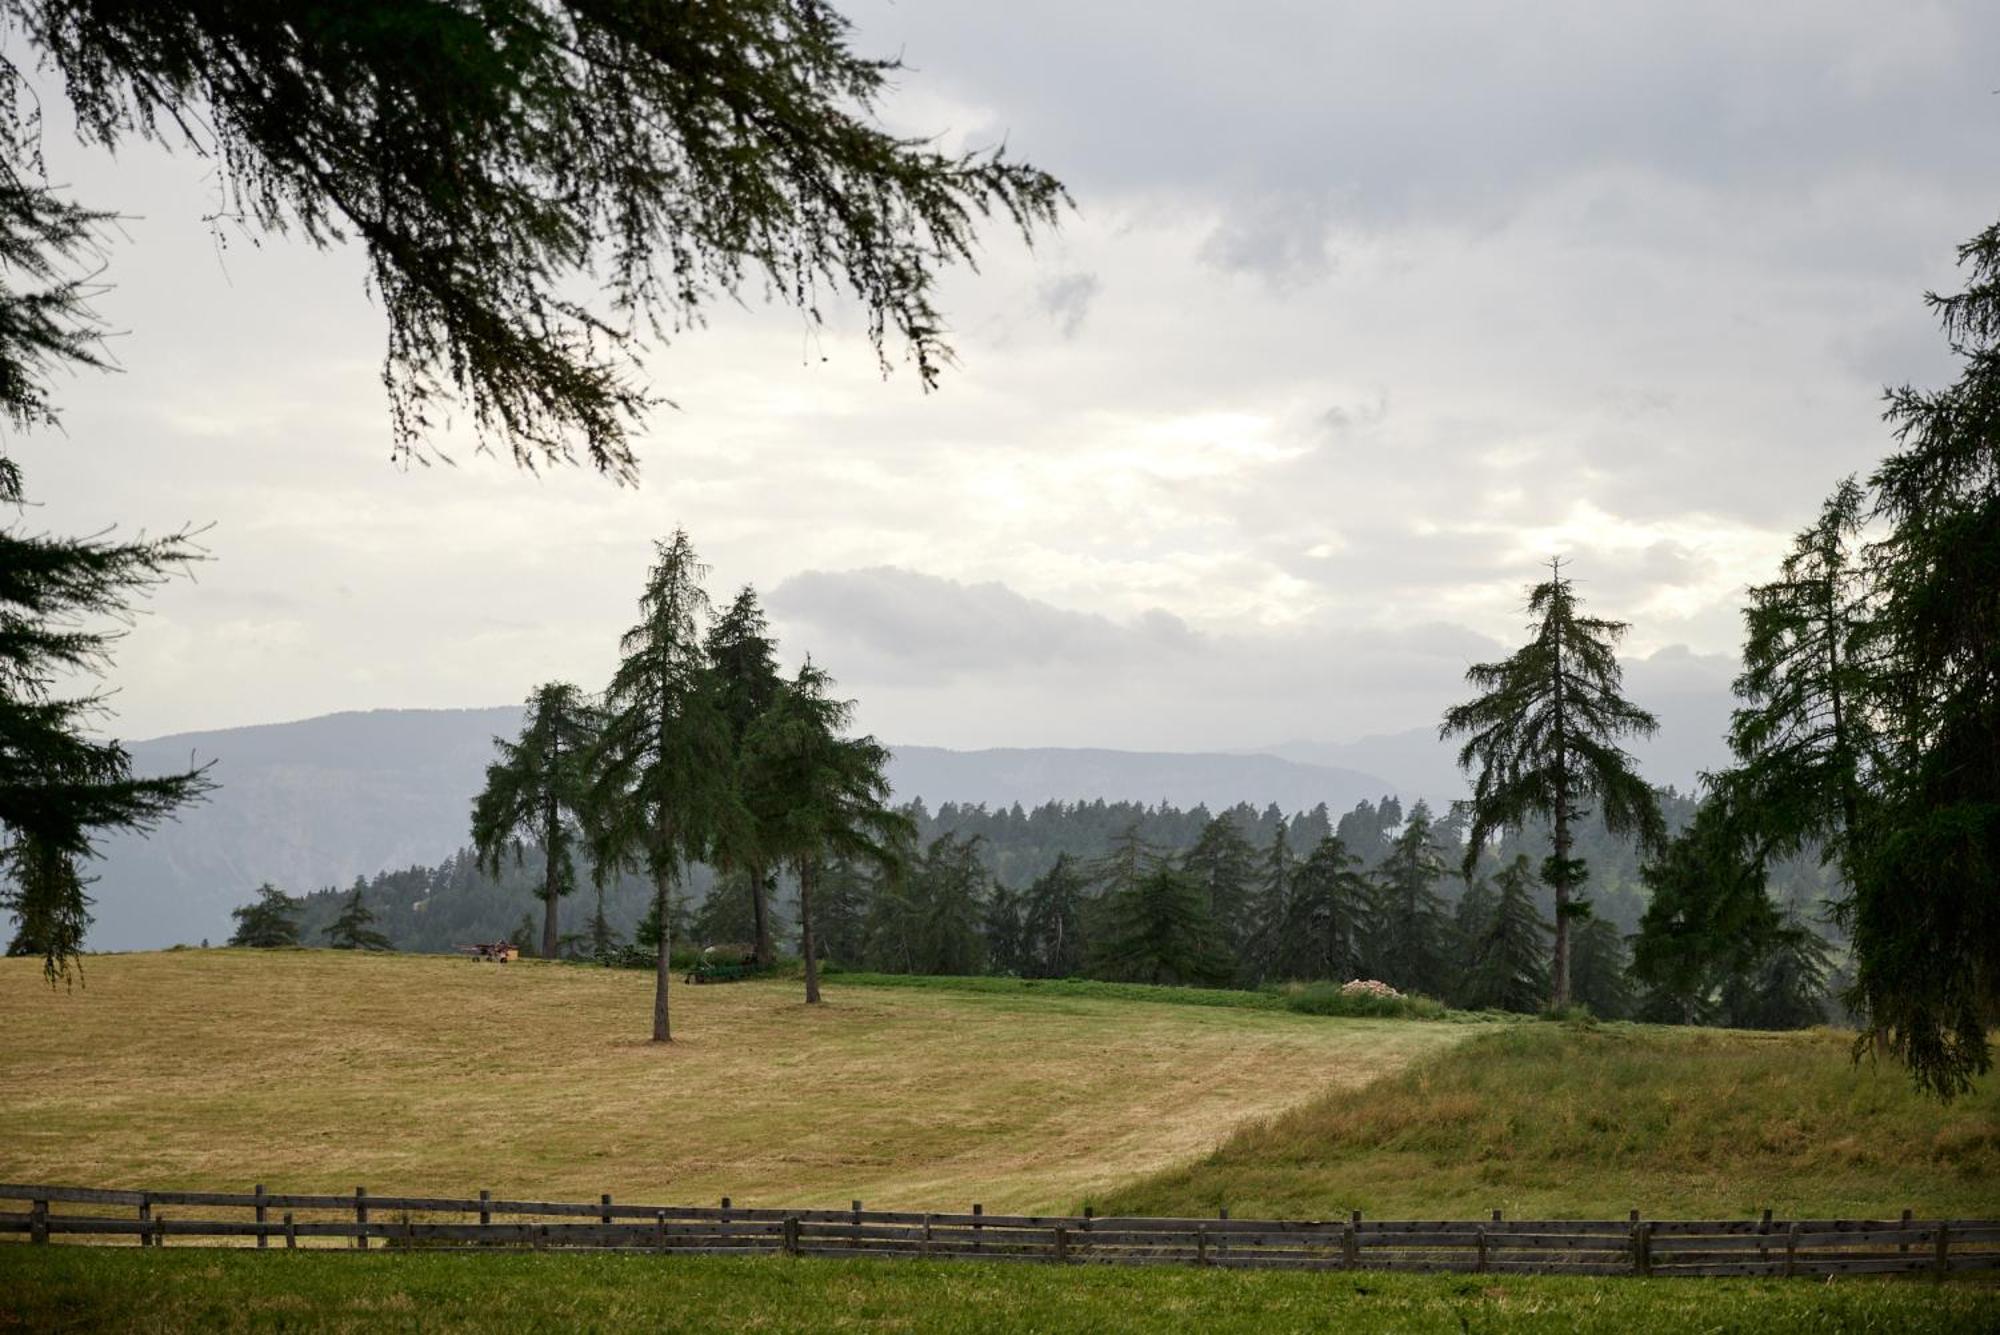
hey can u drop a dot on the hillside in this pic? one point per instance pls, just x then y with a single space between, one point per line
321 1069
323 800
1549 1120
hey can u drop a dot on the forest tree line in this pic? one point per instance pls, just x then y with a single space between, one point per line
1258 898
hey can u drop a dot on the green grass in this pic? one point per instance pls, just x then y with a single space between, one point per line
1309 999
68 1288
1590 1121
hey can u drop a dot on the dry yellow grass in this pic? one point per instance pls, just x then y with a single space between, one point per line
317 1071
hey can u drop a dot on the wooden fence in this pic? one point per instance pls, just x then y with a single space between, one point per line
1632 1246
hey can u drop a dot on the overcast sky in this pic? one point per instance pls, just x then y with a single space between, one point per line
1367 310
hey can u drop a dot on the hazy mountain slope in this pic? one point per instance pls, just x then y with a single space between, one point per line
1693 721
322 800
302 804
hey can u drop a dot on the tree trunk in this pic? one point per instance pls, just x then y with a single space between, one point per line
760 906
662 1033
806 929
1559 963
1559 966
549 935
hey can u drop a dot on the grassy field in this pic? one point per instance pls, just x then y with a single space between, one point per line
320 1070
50 1288
1555 1120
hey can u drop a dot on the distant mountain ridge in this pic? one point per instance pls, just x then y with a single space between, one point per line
322 800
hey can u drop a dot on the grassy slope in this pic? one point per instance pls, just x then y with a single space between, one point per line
318 1070
1552 1120
48 1288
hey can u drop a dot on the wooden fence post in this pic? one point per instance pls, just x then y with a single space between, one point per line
361 1218
485 1207
1764 1227
977 1211
1904 1247
604 1208
1222 1239
1062 1245
1479 1266
38 1222
145 1220
1642 1248
659 1230
159 1230
262 1217
291 1232
1943 1262
791 1235
1792 1250
925 1249
1350 1245
1201 1244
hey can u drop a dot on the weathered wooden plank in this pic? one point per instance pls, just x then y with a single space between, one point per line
1515 1267
14 1191
1894 1263
1595 1242
1719 1269
1885 1238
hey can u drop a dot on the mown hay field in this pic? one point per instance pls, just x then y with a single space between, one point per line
323 1070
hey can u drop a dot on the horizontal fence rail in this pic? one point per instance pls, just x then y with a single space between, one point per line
1631 1246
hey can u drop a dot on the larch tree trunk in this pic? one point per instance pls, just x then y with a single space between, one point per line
1559 961
810 946
662 970
760 906
549 896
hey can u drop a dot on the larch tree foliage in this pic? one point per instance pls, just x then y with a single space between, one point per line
819 795
1542 741
269 921
1923 906
1225 865
1157 929
1709 916
1052 920
1804 734
1264 949
1599 970
539 789
662 767
743 669
1411 926
540 187
1509 965
62 785
1329 914
354 929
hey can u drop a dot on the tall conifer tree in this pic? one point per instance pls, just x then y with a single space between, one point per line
1411 932
818 794
354 929
743 666
1330 914
1923 908
1509 967
1224 864
1053 920
267 922
1542 739
540 788
663 764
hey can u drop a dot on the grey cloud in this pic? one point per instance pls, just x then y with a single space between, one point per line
929 624
1281 239
1067 299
